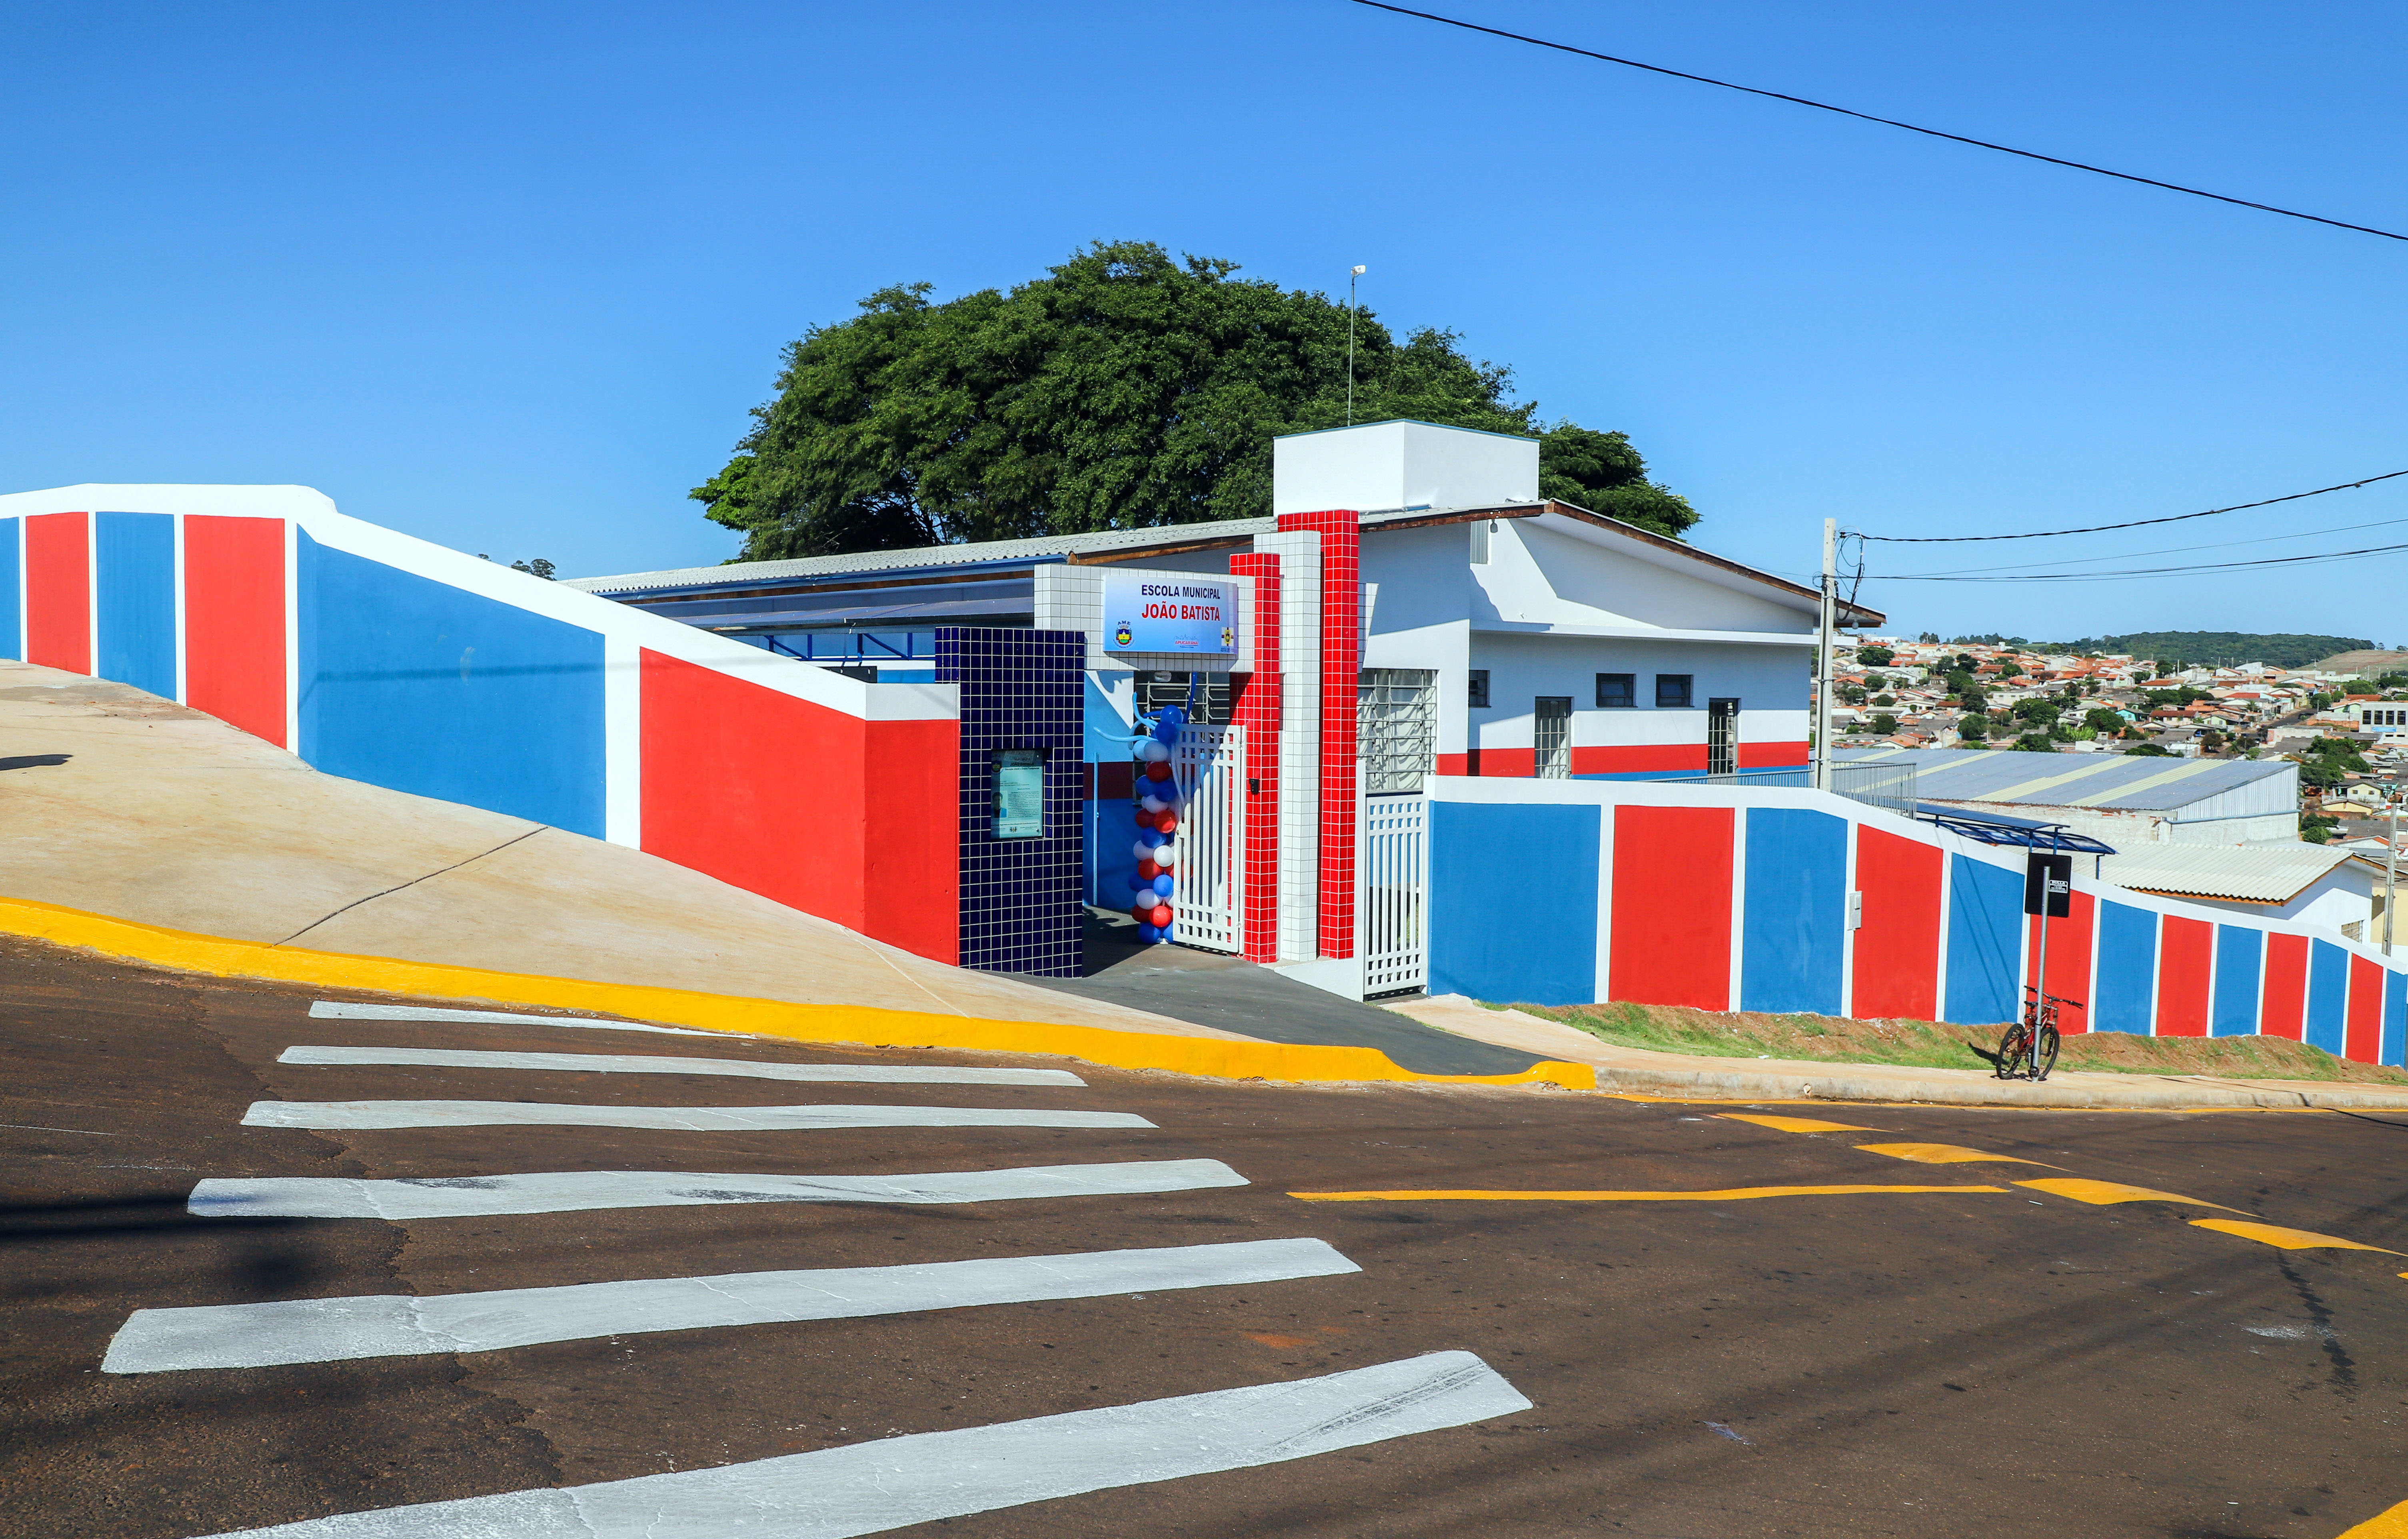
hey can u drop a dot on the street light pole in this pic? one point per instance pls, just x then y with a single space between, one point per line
1350 344
2390 872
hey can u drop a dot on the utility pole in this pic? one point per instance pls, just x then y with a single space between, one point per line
1823 654
1350 344
2390 872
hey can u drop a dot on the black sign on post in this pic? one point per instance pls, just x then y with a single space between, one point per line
2048 885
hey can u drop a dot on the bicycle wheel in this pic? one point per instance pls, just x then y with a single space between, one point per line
2012 1047
2045 1058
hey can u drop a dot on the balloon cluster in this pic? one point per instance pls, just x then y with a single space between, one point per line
1157 820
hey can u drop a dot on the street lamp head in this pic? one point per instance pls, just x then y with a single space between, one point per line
1358 272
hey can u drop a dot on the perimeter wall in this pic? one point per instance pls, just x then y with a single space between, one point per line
1566 892
386 659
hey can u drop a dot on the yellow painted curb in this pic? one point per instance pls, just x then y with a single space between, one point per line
1208 1057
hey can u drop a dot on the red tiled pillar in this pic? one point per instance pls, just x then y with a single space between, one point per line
1257 711
1342 667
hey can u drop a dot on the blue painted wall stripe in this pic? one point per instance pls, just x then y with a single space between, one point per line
2394 1019
12 588
2239 951
2328 997
2128 970
422 688
1794 927
134 560
1985 907
1487 938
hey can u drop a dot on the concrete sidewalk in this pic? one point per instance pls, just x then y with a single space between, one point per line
118 802
1679 1075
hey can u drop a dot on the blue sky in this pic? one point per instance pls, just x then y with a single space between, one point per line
508 278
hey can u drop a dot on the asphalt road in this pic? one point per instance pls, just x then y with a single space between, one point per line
2007 1361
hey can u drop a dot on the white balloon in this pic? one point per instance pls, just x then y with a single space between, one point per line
1153 804
1143 851
1152 752
1167 856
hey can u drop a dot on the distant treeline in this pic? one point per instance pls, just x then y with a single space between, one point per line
2212 648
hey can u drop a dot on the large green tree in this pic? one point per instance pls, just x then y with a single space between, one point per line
1121 390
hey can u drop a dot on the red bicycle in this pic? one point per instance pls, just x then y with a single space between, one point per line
2029 1048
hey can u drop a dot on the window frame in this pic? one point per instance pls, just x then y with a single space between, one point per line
1475 695
1629 701
1686 685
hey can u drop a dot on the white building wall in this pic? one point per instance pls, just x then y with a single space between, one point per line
1383 465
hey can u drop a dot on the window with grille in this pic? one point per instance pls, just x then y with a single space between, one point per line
1551 737
1159 687
1396 729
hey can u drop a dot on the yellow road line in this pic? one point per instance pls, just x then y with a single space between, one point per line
2272 1235
1731 1194
1798 1124
1208 1057
2111 1191
1946 1154
2391 1523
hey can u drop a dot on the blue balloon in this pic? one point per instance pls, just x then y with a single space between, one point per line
1148 934
1137 883
1151 838
1161 885
1163 934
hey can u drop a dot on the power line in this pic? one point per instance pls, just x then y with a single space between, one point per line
2144 572
1886 122
2129 524
2178 550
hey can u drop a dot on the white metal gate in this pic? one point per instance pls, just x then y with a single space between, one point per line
1392 894
1210 767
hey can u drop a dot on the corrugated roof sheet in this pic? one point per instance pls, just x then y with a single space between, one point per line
2256 873
2114 781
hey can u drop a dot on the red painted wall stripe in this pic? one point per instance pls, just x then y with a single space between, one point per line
2362 1039
2287 986
234 622
1638 759
778 795
1671 923
1256 708
58 591
2069 962
1771 756
2186 964
1897 971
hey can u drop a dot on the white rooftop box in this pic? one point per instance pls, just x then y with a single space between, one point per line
1381 465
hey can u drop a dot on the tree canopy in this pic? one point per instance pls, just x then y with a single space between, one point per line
1121 390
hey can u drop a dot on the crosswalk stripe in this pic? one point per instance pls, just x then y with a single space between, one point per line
262 1335
624 1063
573 1191
335 1010
487 1114
890 1483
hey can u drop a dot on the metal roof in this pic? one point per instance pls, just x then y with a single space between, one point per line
2253 873
2109 782
1135 542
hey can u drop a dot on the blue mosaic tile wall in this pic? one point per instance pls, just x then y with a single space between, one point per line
1021 897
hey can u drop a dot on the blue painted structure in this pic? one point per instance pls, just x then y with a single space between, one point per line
2125 994
2328 997
12 589
1985 941
1795 920
412 684
2239 954
134 575
1487 937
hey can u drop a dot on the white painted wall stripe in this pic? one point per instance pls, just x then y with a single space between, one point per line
697 1119
575 1191
875 1487
262 1335
619 1063
335 1010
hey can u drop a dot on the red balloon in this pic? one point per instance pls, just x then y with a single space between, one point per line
1160 917
1147 870
1142 916
1157 771
1167 822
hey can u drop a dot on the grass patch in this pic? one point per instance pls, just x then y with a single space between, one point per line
1924 1045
